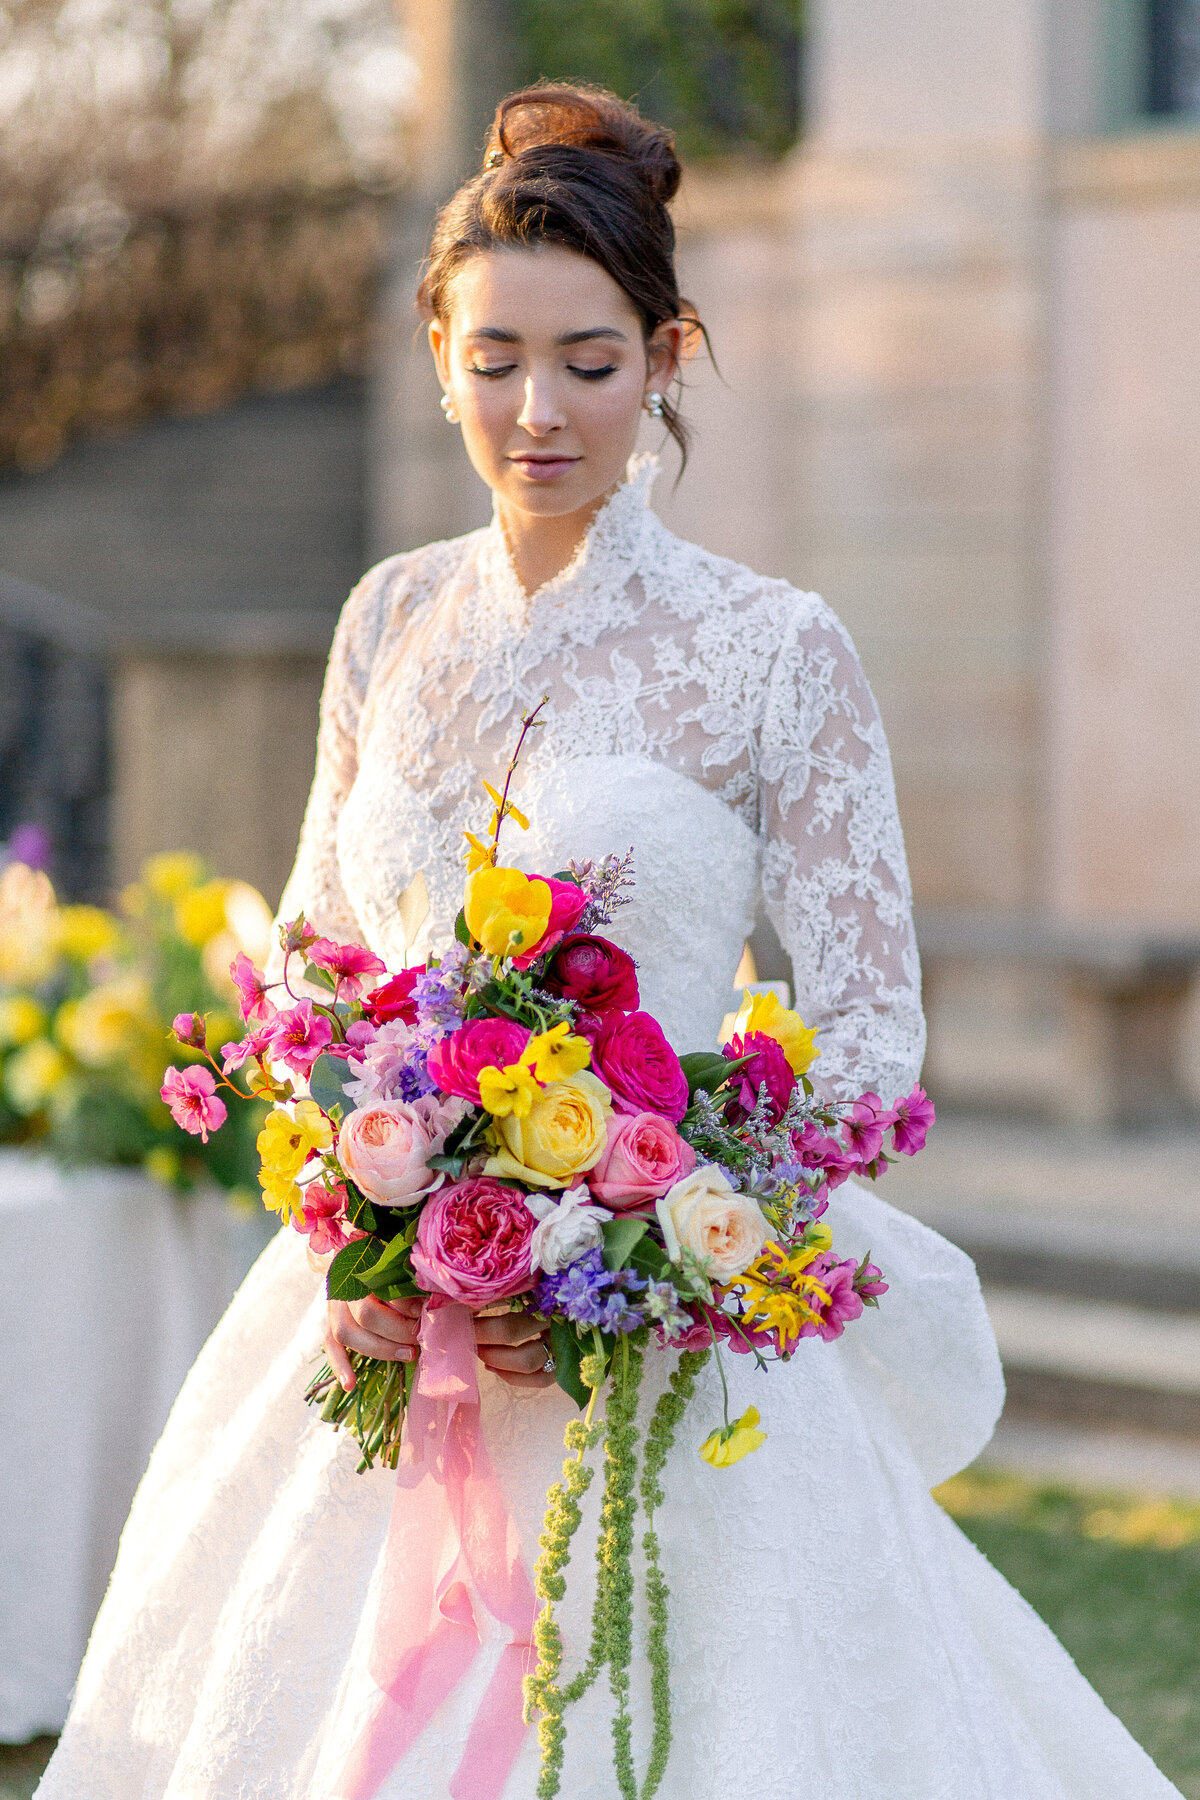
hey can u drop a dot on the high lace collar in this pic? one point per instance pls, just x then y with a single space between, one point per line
602 563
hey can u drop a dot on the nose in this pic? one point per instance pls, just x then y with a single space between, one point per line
540 414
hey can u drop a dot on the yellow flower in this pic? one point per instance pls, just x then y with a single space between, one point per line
200 913
556 1053
163 1164
281 1194
504 810
285 1143
777 1291
563 1134
82 932
478 854
506 911
106 1023
732 1442
172 873
32 1074
21 1020
762 1012
504 1091
26 948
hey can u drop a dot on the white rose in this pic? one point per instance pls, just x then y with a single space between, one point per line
722 1228
565 1232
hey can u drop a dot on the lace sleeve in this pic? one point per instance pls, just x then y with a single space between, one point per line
835 879
315 884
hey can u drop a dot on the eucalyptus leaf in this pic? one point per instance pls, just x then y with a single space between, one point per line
327 1083
620 1237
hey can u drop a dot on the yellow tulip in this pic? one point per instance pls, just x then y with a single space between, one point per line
200 913
82 932
172 873
33 1073
732 1442
21 1020
762 1012
504 1091
506 911
556 1053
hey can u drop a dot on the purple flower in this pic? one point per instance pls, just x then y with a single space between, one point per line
911 1121
391 1067
589 1294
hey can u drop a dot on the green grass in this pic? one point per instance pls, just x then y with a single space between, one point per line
1117 1578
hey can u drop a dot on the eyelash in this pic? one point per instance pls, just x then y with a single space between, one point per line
507 369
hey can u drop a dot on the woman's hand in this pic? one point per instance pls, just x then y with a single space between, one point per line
510 1344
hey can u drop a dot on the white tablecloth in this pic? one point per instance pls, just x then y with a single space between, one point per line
109 1285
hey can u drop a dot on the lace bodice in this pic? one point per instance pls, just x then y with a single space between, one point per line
717 721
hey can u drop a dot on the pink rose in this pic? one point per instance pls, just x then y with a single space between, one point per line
474 1242
598 975
767 1063
455 1062
567 902
643 1157
633 1058
384 1149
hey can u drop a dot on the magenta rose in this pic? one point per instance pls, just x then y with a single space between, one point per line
394 1000
598 975
566 904
643 1157
455 1062
473 1242
633 1058
767 1063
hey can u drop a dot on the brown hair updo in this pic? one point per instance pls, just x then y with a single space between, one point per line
576 167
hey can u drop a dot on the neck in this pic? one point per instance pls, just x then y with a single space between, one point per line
541 547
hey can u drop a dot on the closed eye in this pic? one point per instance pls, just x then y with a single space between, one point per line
492 369
593 374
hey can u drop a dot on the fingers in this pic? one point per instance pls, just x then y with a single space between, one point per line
371 1328
514 1359
543 1380
509 1328
383 1319
339 1362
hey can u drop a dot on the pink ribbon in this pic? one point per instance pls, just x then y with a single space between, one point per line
448 1524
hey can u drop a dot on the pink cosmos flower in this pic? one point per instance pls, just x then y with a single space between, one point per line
188 1028
454 1063
297 934
473 1242
643 1157
567 902
324 1222
298 1036
251 984
767 1064
912 1118
347 963
864 1128
191 1095
816 1150
255 1043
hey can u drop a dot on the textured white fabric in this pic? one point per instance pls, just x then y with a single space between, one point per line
831 1632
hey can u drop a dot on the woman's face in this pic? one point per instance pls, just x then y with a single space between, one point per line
544 358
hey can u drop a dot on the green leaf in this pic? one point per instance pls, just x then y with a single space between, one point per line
394 1266
452 1165
343 1280
650 1258
460 930
708 1070
319 977
359 1210
620 1237
327 1083
565 1347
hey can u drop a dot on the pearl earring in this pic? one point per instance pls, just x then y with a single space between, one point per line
447 406
653 404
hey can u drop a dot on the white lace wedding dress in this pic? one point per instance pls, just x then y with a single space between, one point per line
832 1632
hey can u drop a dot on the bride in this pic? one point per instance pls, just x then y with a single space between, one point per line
832 1631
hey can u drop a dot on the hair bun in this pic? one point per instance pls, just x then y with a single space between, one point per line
558 115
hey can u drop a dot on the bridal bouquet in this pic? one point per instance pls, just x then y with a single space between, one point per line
506 1126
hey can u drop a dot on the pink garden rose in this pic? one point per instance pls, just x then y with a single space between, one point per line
566 904
633 1058
767 1063
298 1036
598 975
911 1119
643 1157
191 1095
384 1148
473 1242
454 1063
394 1000
349 964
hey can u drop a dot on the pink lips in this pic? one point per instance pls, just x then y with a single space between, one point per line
548 468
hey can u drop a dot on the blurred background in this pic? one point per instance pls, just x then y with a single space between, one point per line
949 259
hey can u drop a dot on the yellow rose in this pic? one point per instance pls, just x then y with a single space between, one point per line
762 1012
506 912
21 1020
200 914
172 873
82 932
731 1442
107 1022
32 1074
705 1215
564 1134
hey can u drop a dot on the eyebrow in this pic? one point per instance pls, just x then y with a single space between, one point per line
495 334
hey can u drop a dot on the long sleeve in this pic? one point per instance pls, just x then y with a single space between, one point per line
315 884
835 879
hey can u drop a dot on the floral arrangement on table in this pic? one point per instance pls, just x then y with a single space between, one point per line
504 1126
87 997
